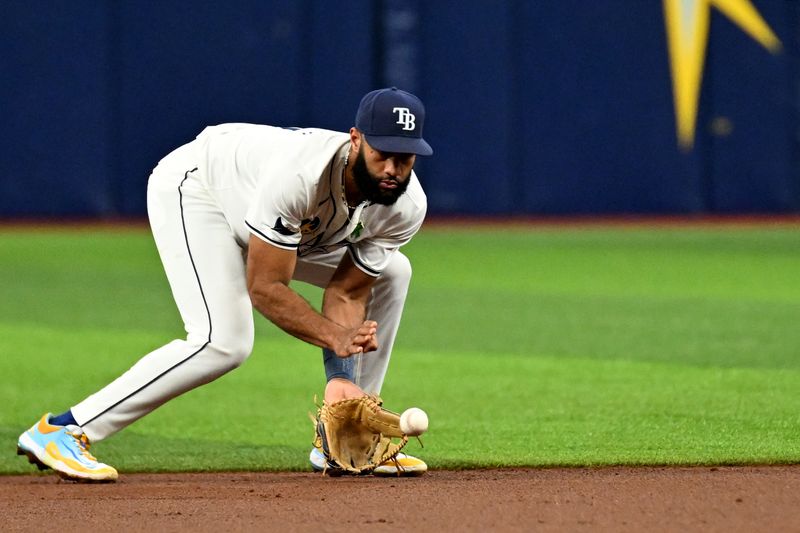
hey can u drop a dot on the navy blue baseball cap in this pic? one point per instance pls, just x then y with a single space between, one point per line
392 121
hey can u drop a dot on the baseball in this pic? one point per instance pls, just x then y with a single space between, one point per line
413 422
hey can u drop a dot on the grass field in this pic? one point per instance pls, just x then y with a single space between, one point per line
527 346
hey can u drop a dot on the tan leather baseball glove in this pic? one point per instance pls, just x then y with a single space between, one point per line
356 435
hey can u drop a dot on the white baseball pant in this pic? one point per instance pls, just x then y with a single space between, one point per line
205 266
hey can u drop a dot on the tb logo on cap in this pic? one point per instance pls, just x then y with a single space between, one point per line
405 117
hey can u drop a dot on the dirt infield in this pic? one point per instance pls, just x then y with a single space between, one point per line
607 499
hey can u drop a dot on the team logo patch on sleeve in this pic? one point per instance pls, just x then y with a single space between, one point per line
309 225
356 233
280 228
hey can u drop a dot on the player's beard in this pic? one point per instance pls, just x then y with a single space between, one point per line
368 183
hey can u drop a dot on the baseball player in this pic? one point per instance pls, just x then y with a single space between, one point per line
238 213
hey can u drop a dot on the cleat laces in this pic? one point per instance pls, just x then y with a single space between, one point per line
83 444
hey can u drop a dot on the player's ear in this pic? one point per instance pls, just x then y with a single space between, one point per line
355 139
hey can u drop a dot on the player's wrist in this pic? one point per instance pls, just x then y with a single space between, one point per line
336 338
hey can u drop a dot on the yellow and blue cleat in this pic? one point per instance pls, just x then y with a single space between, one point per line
65 449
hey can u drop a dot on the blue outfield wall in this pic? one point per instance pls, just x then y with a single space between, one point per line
534 107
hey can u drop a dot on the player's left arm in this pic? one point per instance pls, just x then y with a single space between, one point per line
345 299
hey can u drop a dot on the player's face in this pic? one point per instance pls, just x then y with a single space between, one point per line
382 177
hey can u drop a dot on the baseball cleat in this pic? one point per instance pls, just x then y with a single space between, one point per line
318 461
65 449
401 466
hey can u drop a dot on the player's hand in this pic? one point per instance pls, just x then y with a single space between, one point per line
362 339
339 389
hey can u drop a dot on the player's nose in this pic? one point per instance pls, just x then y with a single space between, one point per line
390 168
397 167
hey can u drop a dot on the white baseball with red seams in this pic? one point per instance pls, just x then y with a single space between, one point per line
414 422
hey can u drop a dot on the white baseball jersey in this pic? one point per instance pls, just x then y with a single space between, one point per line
287 188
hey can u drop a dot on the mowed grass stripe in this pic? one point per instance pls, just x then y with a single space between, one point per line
524 411
526 347
532 411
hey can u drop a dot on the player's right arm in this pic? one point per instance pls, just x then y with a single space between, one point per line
269 271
